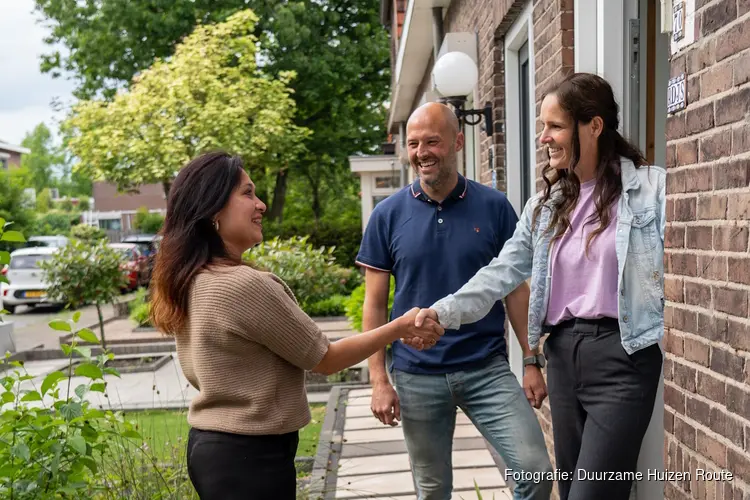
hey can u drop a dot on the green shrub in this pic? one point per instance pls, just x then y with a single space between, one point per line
356 302
141 315
332 306
84 232
345 236
147 222
311 273
53 223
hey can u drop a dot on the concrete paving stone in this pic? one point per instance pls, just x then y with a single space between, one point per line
401 483
370 422
350 450
397 434
492 494
360 401
400 462
398 483
356 393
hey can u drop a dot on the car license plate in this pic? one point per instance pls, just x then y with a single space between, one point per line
34 294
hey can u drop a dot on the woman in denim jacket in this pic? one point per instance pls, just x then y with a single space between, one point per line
593 245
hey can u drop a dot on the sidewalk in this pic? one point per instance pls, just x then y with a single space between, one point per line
366 459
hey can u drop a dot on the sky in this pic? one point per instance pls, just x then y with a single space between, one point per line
25 93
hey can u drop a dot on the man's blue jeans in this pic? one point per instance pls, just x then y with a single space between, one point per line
494 401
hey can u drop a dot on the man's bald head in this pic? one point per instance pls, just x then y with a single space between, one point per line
435 112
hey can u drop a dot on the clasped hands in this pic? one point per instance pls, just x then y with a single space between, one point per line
422 329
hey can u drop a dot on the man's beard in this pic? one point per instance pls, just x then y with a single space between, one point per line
442 175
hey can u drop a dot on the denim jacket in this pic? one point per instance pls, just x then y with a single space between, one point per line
639 243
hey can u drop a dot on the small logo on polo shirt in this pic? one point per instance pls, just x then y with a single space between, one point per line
476 229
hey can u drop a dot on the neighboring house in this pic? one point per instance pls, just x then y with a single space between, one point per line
115 211
10 155
681 73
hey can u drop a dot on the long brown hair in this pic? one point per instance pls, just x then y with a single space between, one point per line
189 240
584 96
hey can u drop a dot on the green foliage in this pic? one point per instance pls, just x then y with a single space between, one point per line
43 158
141 315
311 273
83 204
356 302
345 236
53 223
84 232
56 443
12 207
146 222
43 201
83 273
51 435
208 95
7 236
334 305
66 205
339 51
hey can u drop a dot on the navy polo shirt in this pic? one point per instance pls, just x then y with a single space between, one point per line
432 249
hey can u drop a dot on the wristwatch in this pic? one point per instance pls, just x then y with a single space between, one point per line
536 360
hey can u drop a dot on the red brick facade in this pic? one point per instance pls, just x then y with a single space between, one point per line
707 285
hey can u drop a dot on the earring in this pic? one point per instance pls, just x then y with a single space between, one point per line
216 225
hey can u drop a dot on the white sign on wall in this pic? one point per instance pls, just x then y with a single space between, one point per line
683 24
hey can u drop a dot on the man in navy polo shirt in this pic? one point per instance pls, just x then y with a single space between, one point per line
433 236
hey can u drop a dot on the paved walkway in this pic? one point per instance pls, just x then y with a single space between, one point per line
372 461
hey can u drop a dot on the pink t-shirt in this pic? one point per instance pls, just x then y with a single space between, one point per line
584 286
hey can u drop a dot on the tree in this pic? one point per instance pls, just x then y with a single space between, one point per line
338 49
86 233
43 201
12 206
209 95
43 157
84 273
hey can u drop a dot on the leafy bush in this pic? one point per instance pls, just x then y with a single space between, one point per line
332 306
84 204
54 442
146 222
311 273
84 232
356 302
53 435
80 273
344 236
53 223
141 314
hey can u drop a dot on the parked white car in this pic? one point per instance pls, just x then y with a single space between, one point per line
26 286
46 241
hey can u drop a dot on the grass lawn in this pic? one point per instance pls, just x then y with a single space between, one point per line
166 431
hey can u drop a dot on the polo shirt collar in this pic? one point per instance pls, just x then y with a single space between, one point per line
458 193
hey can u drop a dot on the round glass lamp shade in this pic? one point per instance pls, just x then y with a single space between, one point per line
455 74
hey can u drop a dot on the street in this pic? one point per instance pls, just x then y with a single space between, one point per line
30 325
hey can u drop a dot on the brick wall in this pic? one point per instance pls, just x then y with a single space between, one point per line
707 282
107 198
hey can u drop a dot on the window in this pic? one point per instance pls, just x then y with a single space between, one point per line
28 261
526 122
389 182
520 110
111 224
377 199
4 163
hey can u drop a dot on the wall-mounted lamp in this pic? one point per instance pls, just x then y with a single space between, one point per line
455 75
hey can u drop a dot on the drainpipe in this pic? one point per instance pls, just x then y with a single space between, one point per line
403 156
437 31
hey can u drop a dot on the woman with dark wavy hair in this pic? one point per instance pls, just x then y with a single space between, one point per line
242 340
593 245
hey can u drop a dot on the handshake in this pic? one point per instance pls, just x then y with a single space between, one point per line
420 328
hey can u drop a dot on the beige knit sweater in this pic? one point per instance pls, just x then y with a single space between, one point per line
245 347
